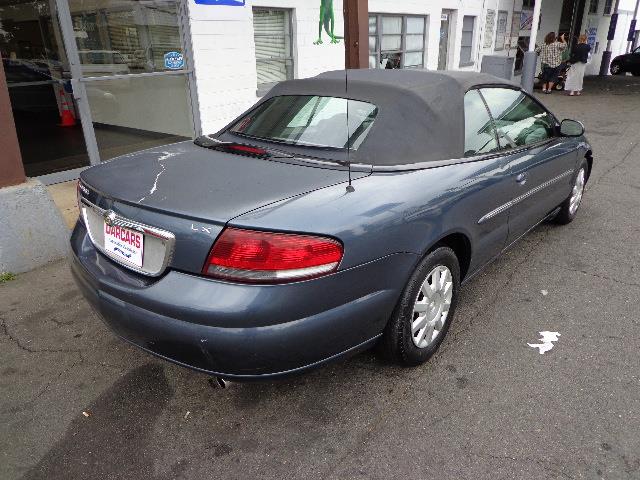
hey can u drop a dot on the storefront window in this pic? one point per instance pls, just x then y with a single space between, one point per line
139 112
123 37
134 72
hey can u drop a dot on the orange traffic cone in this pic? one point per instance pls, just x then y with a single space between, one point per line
66 117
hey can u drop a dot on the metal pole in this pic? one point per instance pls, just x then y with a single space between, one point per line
632 28
356 33
606 55
530 59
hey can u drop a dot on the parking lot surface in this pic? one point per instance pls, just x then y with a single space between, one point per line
75 402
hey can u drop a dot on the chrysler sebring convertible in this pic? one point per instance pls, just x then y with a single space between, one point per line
340 212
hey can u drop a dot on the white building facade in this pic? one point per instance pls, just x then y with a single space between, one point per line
436 34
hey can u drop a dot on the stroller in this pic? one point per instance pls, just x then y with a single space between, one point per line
562 77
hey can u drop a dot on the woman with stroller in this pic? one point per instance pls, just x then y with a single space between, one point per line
551 58
579 59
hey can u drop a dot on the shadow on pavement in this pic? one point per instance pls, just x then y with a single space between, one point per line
118 429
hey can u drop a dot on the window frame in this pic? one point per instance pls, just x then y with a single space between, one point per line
510 151
608 6
471 61
263 88
403 36
594 5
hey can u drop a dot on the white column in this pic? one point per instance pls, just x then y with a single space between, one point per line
535 24
530 59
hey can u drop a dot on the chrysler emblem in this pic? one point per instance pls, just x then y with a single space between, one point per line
109 217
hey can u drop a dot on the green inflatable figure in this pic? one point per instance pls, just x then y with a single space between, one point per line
327 20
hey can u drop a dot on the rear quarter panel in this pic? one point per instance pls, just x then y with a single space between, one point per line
398 212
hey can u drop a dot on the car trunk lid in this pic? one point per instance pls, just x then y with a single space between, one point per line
192 192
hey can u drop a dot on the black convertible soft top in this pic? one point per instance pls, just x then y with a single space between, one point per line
420 112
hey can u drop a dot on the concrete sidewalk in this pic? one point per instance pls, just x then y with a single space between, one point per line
78 403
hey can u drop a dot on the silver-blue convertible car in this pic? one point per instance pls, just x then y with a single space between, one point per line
339 212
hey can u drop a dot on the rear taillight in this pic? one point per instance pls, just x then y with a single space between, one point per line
265 257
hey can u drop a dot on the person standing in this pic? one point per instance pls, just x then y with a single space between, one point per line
578 60
551 58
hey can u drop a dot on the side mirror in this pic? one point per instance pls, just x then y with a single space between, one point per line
571 128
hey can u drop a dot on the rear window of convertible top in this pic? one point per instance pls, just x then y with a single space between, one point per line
308 120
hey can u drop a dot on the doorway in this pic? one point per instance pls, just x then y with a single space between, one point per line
93 79
571 20
39 82
445 34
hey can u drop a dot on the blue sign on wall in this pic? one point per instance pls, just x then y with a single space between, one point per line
232 3
173 60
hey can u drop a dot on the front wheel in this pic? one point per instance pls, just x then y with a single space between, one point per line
425 310
616 69
569 208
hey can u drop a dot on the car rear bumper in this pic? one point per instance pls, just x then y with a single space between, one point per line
241 331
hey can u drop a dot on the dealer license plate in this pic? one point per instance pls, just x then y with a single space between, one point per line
124 243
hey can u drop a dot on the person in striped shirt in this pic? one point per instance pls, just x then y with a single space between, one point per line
551 58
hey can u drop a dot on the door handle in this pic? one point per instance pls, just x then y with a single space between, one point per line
521 178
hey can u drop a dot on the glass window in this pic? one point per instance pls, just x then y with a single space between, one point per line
127 36
466 42
272 36
391 25
593 6
127 115
518 118
398 43
607 7
479 132
373 25
310 121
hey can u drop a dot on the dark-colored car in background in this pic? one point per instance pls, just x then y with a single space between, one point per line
629 62
339 212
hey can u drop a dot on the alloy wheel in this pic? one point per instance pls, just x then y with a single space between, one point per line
431 306
576 193
615 69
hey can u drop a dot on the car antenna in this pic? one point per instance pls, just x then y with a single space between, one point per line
350 188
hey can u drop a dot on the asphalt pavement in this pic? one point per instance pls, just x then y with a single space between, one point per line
75 402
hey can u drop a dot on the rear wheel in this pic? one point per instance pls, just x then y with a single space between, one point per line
423 315
569 208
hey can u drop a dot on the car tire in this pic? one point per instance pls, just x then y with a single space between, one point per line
569 208
616 69
404 340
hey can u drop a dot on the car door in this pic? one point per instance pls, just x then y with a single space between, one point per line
541 164
488 188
